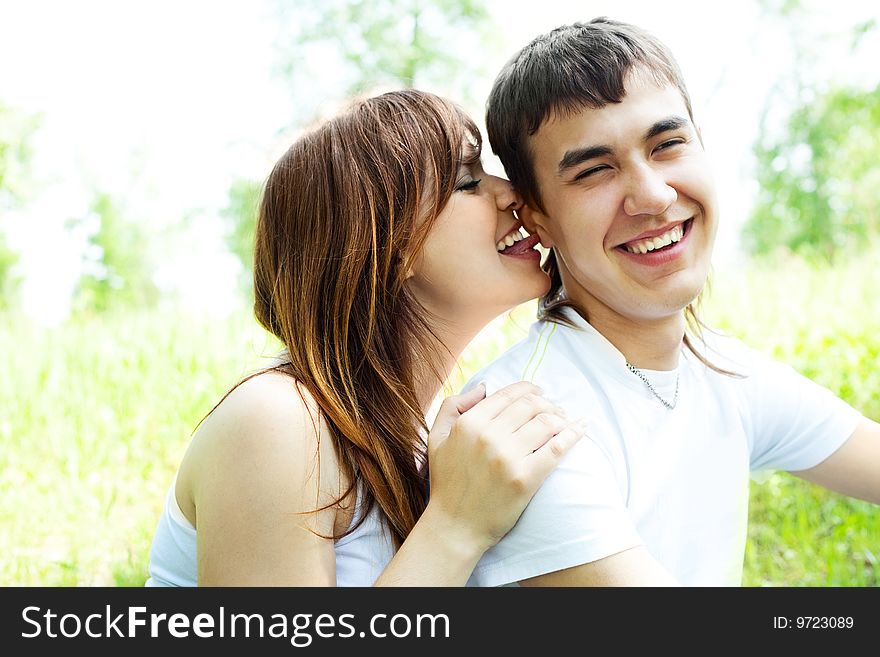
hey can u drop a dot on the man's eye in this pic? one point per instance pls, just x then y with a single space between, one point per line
467 185
669 144
590 171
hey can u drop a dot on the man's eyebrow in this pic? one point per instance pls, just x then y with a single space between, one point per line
578 155
665 125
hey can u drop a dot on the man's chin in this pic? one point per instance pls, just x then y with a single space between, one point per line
676 302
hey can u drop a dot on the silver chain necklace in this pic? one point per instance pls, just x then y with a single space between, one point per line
635 370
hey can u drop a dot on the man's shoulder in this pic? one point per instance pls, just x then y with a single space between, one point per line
508 367
729 355
536 358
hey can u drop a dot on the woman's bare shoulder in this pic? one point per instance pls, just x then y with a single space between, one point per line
266 436
267 412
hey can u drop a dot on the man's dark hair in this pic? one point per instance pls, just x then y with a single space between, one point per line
583 65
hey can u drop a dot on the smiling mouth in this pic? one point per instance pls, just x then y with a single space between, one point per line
516 243
660 243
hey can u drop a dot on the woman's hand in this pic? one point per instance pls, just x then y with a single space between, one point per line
488 456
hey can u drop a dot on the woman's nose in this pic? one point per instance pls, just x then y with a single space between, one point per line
506 197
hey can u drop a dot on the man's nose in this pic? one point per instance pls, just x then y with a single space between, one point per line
647 192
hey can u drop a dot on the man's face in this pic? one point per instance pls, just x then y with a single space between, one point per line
630 204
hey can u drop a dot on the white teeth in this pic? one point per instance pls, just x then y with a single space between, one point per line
510 240
672 235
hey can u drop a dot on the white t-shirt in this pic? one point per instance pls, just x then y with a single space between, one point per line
674 480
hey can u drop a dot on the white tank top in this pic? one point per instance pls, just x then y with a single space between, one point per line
361 556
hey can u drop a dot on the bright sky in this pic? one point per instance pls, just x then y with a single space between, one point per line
163 104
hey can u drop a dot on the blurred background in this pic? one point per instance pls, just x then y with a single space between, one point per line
134 139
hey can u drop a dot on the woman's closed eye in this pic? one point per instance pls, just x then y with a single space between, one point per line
467 185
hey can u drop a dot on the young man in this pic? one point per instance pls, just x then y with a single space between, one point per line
594 127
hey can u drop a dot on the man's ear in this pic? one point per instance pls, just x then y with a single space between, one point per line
535 222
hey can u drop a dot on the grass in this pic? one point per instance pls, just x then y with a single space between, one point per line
824 322
95 416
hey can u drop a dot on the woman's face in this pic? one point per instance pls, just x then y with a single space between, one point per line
477 261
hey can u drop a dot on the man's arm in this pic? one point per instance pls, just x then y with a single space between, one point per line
634 567
854 469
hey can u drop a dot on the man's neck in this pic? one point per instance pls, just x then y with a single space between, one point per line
652 344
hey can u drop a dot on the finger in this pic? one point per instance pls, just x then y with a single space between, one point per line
453 407
467 400
492 405
536 432
544 459
517 414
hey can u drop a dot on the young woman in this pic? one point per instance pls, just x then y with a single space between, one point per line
382 249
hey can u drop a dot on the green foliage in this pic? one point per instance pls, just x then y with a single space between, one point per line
10 280
783 8
119 263
819 181
240 214
16 133
802 535
395 42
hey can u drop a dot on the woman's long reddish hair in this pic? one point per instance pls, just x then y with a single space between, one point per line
343 215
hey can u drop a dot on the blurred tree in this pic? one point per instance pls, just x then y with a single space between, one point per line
820 181
241 215
118 265
10 280
16 133
385 42
819 184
